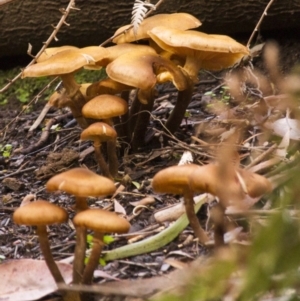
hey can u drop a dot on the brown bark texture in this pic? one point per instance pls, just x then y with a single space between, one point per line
29 21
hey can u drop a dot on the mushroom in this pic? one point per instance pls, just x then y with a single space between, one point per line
101 222
141 71
64 64
175 180
200 50
106 107
100 132
181 21
106 86
40 214
82 183
231 185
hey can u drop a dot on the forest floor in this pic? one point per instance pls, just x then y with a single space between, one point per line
26 164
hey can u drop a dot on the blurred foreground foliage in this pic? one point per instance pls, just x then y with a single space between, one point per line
268 268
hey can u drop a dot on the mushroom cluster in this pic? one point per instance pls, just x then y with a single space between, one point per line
229 184
81 183
174 53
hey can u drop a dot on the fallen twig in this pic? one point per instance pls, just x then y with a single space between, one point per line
259 22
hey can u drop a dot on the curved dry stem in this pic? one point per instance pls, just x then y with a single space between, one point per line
94 258
192 217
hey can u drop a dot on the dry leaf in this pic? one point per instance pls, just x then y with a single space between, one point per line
118 208
282 125
28 279
145 201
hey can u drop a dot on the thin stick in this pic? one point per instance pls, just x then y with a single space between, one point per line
131 26
65 13
259 22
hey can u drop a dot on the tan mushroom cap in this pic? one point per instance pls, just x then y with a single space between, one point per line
101 221
99 131
181 21
256 184
106 86
48 52
212 52
104 107
40 213
134 69
65 62
81 182
173 179
210 178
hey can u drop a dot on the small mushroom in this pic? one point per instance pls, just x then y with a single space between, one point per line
82 183
65 64
175 180
141 71
41 214
105 107
101 222
100 132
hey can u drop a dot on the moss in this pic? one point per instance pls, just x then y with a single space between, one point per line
23 90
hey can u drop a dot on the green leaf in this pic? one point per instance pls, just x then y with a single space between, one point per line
107 239
102 262
136 184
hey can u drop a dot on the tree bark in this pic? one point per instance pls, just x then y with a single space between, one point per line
29 21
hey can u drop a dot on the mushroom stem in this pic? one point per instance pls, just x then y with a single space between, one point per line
192 66
142 122
217 214
44 245
80 247
77 99
93 260
192 217
78 265
133 114
41 231
101 162
183 99
113 162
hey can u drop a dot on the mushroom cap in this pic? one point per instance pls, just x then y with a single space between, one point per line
136 70
215 51
181 21
173 179
65 62
81 182
256 184
40 213
99 131
48 52
120 49
101 221
104 107
106 86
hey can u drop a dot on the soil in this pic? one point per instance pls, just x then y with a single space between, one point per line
31 163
